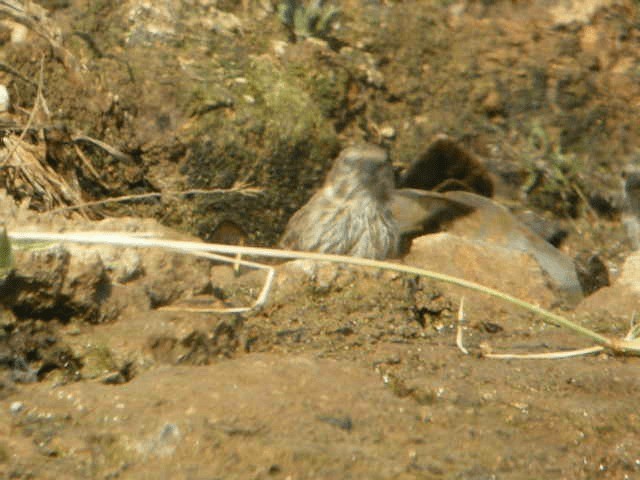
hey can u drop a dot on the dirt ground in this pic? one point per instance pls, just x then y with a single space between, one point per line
347 372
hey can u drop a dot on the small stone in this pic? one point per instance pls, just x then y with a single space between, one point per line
124 265
5 102
16 407
388 132
19 33
630 276
492 104
113 378
279 47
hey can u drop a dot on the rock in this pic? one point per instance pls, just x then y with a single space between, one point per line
615 304
293 277
169 276
632 225
484 221
34 287
165 443
279 47
493 103
123 264
493 223
97 361
223 23
513 272
53 283
163 21
86 286
388 132
16 407
18 33
630 277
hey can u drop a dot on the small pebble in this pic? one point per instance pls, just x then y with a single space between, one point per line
279 47
19 33
388 132
4 99
16 407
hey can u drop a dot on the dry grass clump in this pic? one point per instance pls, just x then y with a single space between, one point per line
25 173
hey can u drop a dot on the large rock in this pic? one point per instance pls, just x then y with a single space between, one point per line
483 221
512 272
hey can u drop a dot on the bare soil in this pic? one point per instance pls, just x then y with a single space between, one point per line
350 373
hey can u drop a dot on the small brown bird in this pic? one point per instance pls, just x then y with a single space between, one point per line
350 214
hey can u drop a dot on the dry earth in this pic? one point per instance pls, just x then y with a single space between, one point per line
347 373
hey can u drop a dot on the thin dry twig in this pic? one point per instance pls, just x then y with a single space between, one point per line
545 356
9 69
45 182
114 152
88 165
631 337
257 304
240 189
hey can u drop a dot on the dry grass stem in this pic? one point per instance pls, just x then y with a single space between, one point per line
460 330
629 344
257 304
240 189
26 163
629 339
36 103
89 166
545 356
30 168
114 152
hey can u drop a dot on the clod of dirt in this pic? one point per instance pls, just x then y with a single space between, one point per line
192 413
194 96
51 283
198 347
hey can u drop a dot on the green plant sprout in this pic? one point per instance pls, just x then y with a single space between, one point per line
315 19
